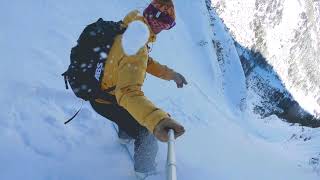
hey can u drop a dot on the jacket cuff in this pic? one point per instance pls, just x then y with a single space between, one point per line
171 75
152 120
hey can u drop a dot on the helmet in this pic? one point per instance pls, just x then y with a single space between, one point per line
160 15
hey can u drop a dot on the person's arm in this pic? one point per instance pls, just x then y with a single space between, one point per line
163 72
131 74
159 70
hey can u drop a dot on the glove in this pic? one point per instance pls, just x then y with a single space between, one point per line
162 129
179 80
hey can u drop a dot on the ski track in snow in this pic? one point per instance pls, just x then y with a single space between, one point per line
219 143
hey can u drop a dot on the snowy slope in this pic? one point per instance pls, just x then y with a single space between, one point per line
220 143
287 35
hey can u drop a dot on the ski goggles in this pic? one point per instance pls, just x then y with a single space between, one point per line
153 12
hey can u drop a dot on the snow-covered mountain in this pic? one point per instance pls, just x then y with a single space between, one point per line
223 141
286 35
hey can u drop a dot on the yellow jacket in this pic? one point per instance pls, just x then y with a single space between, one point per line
127 73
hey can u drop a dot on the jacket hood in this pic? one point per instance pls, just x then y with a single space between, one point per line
137 16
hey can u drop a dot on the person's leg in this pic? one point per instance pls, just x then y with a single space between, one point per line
119 116
123 135
146 145
145 151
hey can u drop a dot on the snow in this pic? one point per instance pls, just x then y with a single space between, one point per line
135 37
286 34
220 143
234 81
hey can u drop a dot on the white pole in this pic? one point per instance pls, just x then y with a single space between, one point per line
171 158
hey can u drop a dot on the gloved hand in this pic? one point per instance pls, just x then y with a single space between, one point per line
179 80
162 129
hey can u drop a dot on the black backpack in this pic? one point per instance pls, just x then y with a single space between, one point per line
88 58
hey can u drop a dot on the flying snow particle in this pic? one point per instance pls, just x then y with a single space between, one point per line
97 49
103 55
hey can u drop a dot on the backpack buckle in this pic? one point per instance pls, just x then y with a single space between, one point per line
65 75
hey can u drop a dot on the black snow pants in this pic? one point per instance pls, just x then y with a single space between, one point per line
145 144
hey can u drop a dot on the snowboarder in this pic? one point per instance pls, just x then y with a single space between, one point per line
125 69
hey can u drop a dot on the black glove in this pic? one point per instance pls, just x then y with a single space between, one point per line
179 80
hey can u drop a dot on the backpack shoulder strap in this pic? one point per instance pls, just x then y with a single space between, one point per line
105 95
